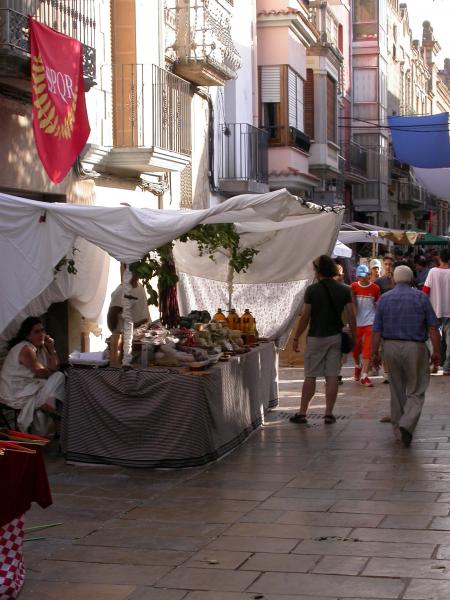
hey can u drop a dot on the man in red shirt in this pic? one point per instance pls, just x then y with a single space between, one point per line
365 295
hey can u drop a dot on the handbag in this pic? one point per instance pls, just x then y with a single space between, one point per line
346 340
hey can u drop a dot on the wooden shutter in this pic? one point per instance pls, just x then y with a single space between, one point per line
309 104
292 98
270 84
331 109
295 100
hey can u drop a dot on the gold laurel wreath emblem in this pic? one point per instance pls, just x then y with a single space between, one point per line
46 111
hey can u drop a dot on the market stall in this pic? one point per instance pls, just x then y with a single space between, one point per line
204 414
163 417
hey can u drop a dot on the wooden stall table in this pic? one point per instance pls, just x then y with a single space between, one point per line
159 417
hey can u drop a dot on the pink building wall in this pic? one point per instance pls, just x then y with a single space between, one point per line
278 45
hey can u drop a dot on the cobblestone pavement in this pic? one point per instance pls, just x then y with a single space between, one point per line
317 512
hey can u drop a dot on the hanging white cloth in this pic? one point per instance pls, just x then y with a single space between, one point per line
435 181
35 236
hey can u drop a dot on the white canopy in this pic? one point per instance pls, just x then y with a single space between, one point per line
342 250
35 236
436 181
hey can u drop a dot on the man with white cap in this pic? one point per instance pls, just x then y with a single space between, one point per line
375 269
405 319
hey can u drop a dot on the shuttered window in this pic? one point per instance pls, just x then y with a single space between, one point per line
295 100
270 84
331 109
309 104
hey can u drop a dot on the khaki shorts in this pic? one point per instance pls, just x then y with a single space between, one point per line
323 356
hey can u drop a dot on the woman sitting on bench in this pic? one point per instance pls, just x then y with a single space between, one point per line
30 380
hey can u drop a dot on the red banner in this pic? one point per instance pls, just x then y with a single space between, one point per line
60 121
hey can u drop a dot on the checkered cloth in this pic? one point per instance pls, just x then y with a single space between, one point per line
12 570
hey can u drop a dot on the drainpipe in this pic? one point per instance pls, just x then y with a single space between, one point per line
211 179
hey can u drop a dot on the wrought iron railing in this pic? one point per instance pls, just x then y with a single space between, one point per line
152 107
355 159
327 197
200 30
244 153
410 195
75 18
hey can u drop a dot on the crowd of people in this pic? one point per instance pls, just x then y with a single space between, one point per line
396 311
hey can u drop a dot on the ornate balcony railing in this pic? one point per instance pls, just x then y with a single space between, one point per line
152 108
75 18
325 22
244 153
199 42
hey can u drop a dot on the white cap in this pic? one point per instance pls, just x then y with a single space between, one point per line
375 262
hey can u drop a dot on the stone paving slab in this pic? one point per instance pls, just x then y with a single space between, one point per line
296 513
340 585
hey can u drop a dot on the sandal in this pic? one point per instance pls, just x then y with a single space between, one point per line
298 418
329 419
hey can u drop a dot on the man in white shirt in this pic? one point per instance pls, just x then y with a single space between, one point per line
139 308
437 287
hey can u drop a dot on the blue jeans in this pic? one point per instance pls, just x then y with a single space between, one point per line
445 343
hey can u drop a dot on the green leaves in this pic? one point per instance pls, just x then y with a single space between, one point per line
210 239
68 263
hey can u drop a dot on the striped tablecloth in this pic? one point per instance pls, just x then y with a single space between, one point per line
161 418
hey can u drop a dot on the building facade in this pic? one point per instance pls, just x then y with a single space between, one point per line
194 101
393 74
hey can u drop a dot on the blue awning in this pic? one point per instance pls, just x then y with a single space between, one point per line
421 141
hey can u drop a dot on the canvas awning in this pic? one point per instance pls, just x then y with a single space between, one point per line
399 236
35 236
430 239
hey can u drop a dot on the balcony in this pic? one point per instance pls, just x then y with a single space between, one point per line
397 169
243 159
355 169
75 18
410 196
327 25
151 114
431 202
370 197
327 197
199 42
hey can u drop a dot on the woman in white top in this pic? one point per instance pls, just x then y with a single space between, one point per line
29 380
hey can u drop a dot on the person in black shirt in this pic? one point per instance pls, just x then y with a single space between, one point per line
324 304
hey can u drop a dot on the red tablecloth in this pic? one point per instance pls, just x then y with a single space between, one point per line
23 480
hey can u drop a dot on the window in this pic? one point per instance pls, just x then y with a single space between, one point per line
270 90
365 11
365 20
282 111
341 38
309 103
295 100
331 109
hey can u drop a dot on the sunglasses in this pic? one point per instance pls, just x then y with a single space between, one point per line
40 330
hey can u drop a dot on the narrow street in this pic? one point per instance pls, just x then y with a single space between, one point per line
298 512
